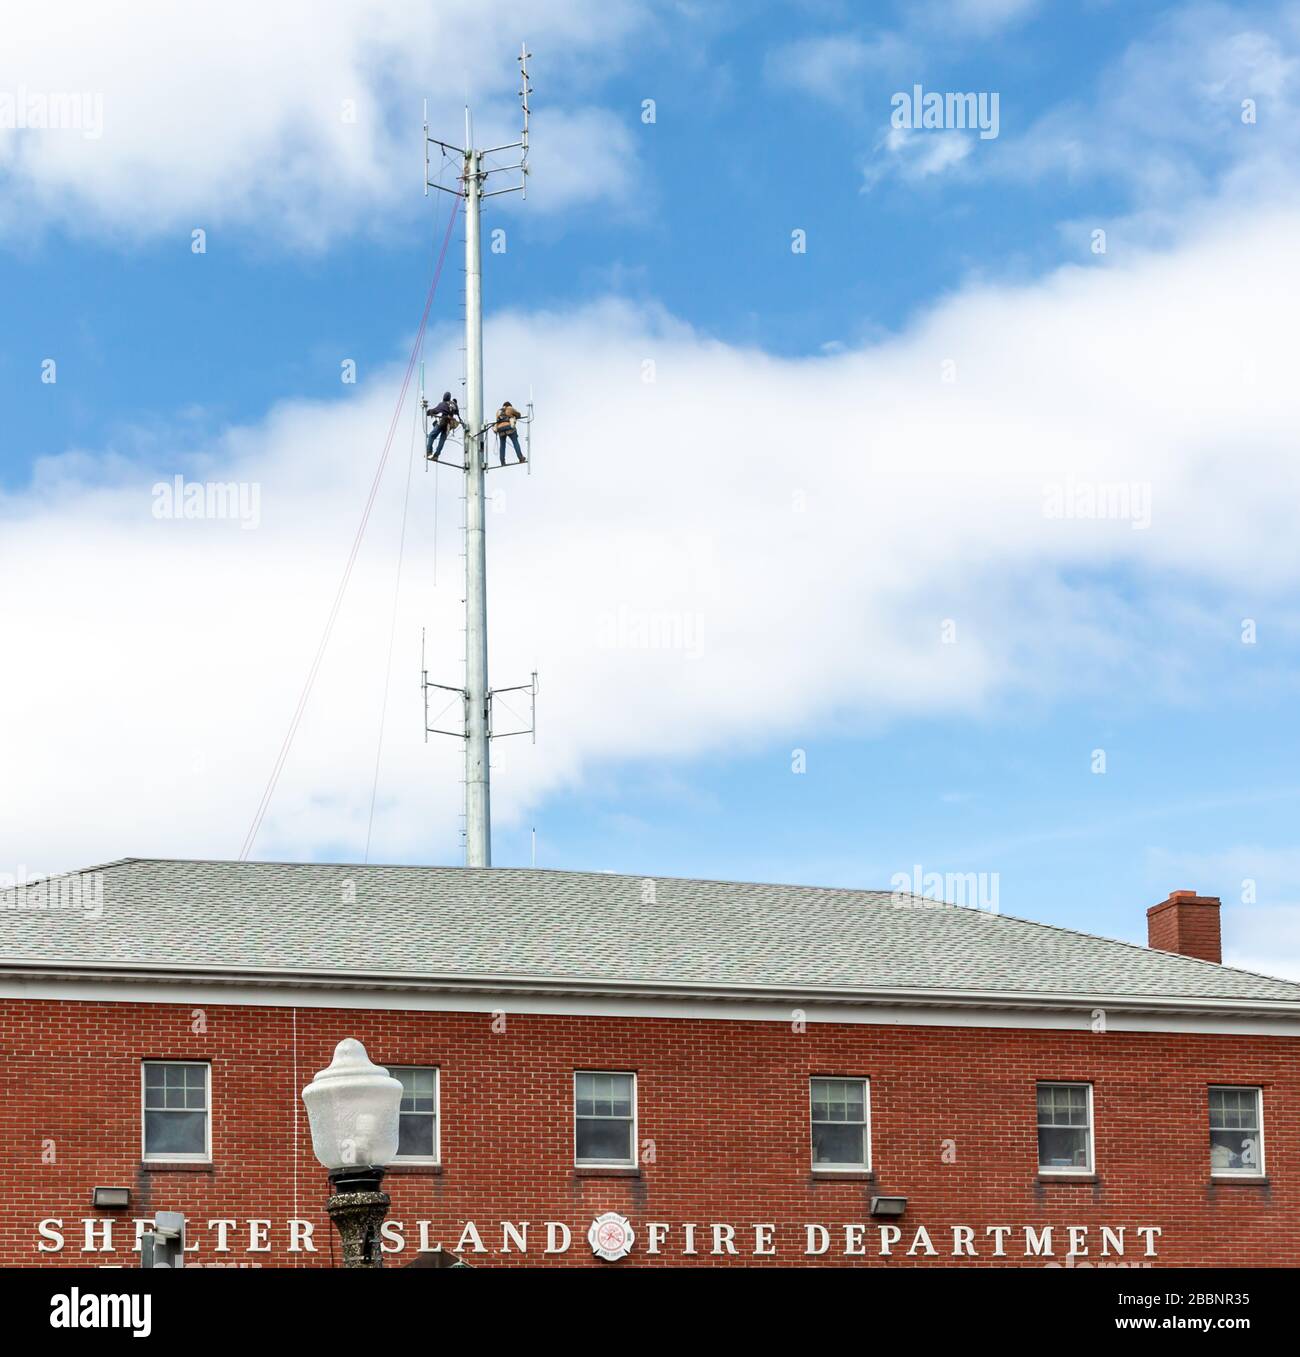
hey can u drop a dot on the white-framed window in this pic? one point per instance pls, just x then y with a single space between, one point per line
176 1110
1065 1128
419 1129
604 1119
841 1124
1236 1131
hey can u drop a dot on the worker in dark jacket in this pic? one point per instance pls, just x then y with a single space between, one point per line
445 416
507 417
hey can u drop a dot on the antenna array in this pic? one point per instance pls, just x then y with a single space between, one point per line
477 698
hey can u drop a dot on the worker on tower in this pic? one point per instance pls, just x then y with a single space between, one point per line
445 416
507 417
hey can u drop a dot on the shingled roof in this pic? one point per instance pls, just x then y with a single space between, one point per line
586 931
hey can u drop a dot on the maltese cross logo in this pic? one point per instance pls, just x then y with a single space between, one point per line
611 1237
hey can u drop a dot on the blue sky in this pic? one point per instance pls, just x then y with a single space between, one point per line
672 239
739 155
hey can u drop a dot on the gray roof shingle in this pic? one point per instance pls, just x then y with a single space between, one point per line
439 922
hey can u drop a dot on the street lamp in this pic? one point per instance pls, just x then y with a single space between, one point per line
353 1108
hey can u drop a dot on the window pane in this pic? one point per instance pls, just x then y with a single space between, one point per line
1235 1109
620 1095
603 1095
419 1089
1063 1106
415 1136
1062 1147
838 1100
835 1143
1234 1150
604 1139
178 1086
175 1132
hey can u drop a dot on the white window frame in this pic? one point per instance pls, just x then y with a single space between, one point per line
865 1081
631 1163
1056 1170
436 1071
1259 1171
176 1157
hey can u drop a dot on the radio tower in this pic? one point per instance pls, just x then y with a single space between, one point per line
477 727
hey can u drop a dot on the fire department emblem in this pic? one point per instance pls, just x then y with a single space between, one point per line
611 1237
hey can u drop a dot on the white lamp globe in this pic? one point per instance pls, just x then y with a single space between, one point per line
353 1108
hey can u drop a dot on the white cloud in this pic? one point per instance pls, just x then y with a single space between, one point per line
834 67
1202 110
981 16
916 154
1260 889
839 68
797 583
1264 939
221 112
1170 119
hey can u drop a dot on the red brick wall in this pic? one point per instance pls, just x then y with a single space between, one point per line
725 1103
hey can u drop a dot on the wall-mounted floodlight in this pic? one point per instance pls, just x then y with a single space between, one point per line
888 1206
110 1198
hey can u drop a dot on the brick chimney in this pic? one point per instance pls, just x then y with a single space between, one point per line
1188 924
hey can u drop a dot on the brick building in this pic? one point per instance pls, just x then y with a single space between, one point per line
725 1073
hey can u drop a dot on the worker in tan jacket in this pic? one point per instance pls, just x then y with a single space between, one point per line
507 418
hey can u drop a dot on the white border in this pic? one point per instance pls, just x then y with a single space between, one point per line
1055 1171
865 1081
424 1159
206 1156
1243 1175
634 1161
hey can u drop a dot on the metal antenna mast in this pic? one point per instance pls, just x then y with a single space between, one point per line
476 695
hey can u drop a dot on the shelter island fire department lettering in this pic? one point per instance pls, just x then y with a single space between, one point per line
612 1237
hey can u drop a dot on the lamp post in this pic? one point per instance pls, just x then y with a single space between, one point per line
353 1107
